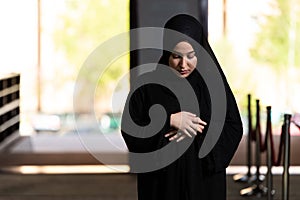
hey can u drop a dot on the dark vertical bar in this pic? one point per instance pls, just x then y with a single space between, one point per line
249 153
269 155
203 15
286 157
257 188
247 177
133 15
133 23
257 144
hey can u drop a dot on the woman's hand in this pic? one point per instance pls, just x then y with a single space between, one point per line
175 135
185 124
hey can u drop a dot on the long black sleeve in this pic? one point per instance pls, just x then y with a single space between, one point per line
231 134
139 105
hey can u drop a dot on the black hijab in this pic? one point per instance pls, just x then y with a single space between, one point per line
140 101
173 170
191 30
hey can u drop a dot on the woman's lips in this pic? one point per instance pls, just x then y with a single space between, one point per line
183 72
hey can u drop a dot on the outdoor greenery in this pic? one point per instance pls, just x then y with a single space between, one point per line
87 24
83 27
278 40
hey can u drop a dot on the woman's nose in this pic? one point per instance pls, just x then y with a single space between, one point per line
183 62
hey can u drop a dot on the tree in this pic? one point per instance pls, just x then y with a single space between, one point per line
277 42
83 27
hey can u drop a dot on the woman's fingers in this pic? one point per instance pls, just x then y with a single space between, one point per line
174 137
187 113
199 121
197 128
171 133
185 124
200 128
190 130
180 138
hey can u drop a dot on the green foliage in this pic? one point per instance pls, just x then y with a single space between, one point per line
273 41
87 24
225 55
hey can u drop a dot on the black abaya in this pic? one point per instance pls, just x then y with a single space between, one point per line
188 177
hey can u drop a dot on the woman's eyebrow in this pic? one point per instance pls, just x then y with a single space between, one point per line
182 54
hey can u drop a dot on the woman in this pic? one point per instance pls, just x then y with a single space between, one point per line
188 177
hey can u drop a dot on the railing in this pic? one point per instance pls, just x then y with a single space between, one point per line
9 105
258 189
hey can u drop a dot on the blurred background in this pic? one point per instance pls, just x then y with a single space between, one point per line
47 42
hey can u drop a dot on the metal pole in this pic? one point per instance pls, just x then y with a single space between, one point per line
286 157
257 144
247 177
249 153
256 189
269 156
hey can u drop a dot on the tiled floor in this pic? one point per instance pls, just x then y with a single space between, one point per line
68 150
103 187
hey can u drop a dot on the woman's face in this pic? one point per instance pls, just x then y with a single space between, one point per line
183 59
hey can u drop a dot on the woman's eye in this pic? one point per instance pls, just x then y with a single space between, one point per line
190 56
175 56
